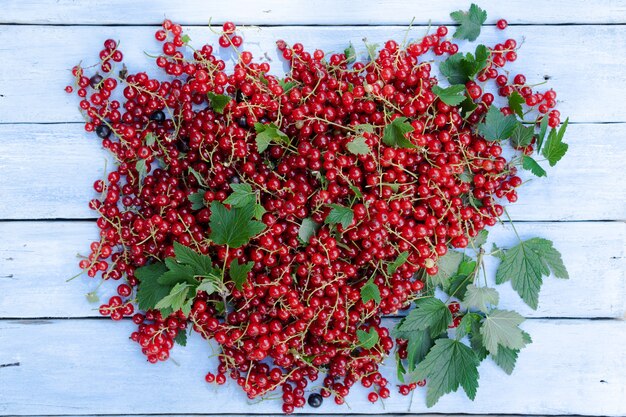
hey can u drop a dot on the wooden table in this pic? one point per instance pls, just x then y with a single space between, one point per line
57 357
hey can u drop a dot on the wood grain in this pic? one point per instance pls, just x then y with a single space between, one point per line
48 172
318 12
36 258
36 68
90 367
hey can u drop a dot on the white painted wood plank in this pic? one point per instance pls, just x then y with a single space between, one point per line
322 12
36 68
37 257
90 367
48 172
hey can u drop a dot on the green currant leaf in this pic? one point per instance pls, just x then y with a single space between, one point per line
554 148
515 103
267 134
287 85
500 328
340 214
181 338
497 126
543 128
364 128
142 170
525 264
395 133
533 166
506 357
419 343
307 230
239 272
208 285
469 22
448 365
480 298
429 314
467 324
150 139
242 195
397 263
233 227
218 101
350 54
150 290
522 136
367 340
177 273
370 291
452 95
358 146
448 264
197 200
175 299
201 264
480 239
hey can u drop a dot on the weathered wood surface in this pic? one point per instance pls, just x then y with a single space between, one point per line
36 258
584 63
303 12
48 172
91 367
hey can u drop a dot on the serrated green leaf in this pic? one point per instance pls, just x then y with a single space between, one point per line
356 191
466 176
367 340
370 291
476 340
480 298
350 54
150 291
340 214
242 195
447 265
142 170
459 68
448 365
307 230
466 325
218 101
287 85
186 308
181 338
267 134
457 284
364 128
543 128
208 285
358 146
394 133
417 348
150 139
175 299
506 358
554 148
177 273
533 166
233 227
469 22
185 39
500 328
201 264
397 263
468 106
429 314
198 177
515 103
197 200
452 95
522 136
525 264
259 211
239 272
480 239
497 126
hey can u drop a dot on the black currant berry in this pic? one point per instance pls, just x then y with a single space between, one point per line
95 80
315 400
158 116
103 131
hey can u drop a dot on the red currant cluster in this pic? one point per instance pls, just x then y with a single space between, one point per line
299 312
